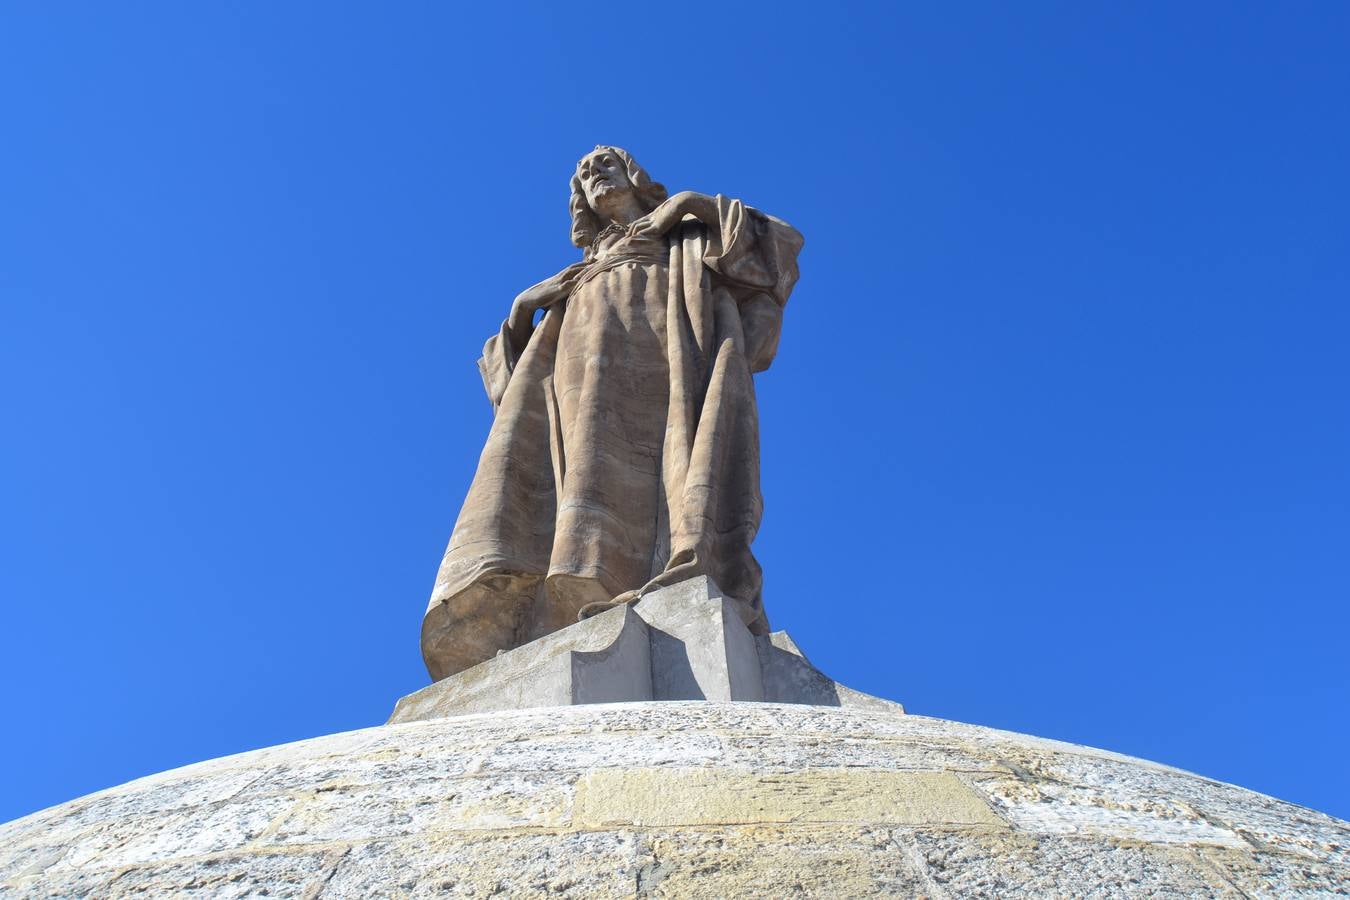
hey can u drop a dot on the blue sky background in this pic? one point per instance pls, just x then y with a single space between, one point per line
1057 440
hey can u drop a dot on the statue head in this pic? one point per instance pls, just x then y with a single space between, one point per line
603 172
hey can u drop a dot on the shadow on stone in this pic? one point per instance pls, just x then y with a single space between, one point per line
672 672
787 675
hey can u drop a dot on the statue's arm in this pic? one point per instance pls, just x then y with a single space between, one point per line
503 350
674 208
750 251
520 321
753 254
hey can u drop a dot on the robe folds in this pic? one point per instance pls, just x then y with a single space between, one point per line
624 451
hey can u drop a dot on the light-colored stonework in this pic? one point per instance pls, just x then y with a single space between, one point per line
677 799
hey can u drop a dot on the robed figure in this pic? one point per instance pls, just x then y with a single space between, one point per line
624 452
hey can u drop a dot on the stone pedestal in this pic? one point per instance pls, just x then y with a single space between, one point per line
684 642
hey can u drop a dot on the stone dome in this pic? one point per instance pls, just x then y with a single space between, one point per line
688 799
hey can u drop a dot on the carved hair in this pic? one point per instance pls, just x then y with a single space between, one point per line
586 221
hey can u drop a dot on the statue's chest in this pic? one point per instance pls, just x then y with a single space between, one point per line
639 246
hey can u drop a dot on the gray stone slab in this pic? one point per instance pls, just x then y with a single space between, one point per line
700 648
605 659
684 642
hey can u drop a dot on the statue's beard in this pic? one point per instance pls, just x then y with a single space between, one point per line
606 194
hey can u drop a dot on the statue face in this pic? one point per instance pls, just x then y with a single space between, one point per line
602 176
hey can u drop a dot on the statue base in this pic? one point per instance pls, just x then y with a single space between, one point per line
683 642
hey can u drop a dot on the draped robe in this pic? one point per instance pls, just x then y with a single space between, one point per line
624 450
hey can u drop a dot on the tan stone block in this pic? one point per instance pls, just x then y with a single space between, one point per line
669 797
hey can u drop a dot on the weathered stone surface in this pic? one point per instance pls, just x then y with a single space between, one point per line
1049 808
773 862
570 864
971 863
677 799
229 876
404 807
683 642
1279 874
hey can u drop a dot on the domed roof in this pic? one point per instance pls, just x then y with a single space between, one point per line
676 799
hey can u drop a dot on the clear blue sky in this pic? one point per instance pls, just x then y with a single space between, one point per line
1057 440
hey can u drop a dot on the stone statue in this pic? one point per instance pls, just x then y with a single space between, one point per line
624 453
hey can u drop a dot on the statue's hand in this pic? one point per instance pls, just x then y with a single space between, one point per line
537 297
673 210
521 320
548 291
